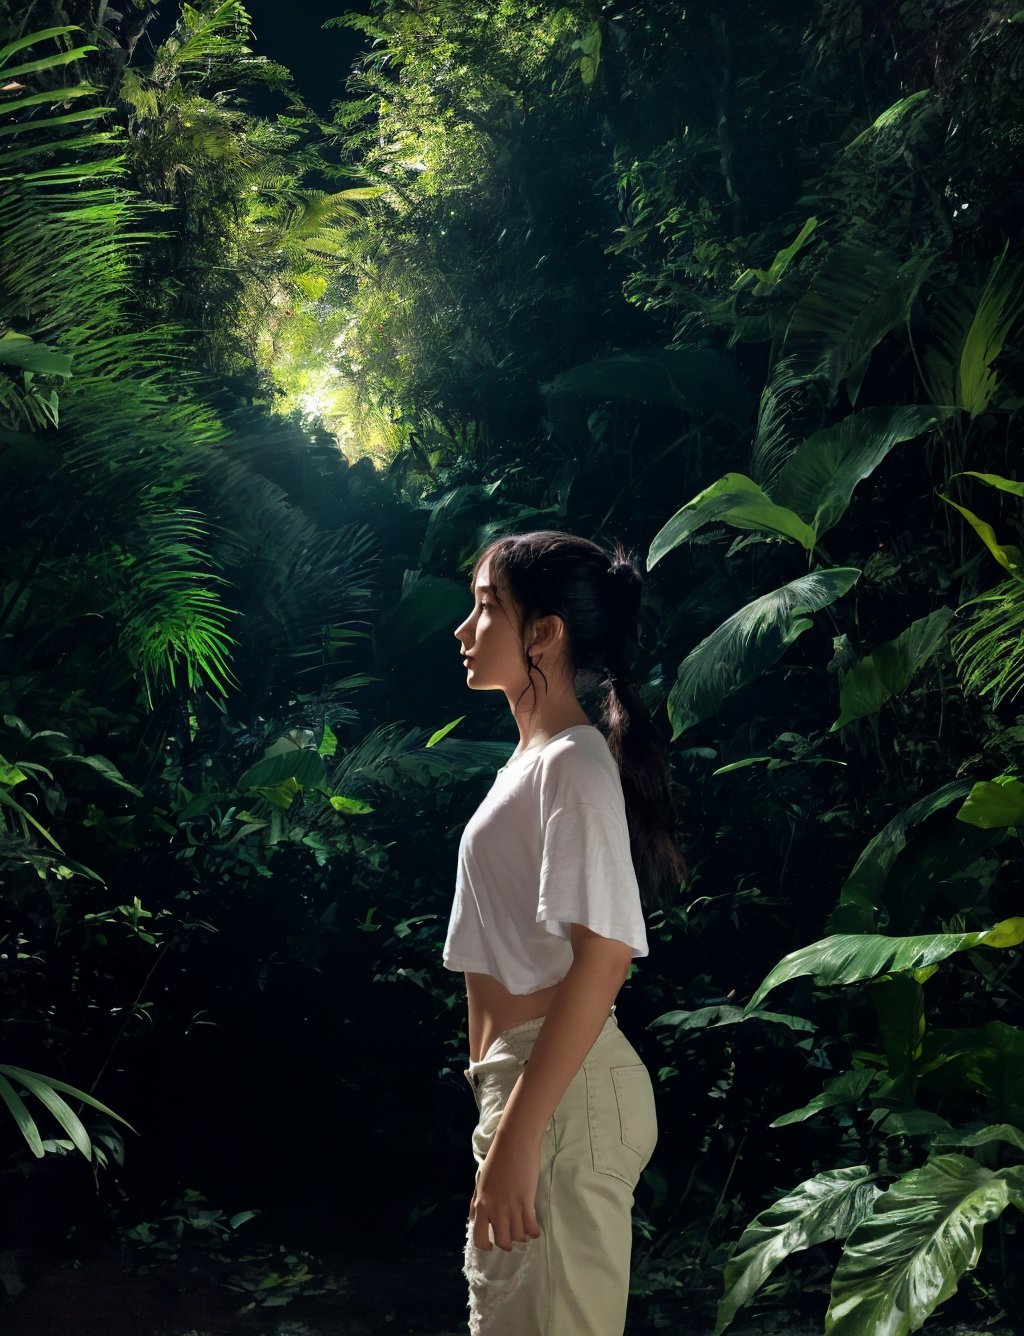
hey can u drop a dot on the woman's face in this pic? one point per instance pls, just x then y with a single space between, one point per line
492 647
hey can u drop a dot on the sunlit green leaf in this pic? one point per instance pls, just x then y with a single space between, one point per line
851 957
994 803
736 500
907 1256
827 1206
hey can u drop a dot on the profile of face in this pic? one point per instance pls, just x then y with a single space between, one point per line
492 646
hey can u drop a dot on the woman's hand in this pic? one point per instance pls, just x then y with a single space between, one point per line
506 1190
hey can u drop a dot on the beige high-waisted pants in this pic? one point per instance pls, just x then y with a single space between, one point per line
574 1279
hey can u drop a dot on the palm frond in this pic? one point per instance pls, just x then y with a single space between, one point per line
989 651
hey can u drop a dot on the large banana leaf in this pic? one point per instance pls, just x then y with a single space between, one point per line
818 480
851 957
827 1206
890 667
750 641
907 1256
736 500
864 889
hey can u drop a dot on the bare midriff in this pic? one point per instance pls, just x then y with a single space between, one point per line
493 1009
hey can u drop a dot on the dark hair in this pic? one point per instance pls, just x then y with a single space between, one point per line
597 596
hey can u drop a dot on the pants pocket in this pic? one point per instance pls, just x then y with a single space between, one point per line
623 1121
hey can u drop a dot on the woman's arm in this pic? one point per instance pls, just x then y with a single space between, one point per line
507 1180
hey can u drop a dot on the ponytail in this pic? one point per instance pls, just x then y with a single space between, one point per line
639 748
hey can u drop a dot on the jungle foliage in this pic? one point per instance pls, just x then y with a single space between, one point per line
738 288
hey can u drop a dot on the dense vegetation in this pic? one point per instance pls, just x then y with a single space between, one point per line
737 287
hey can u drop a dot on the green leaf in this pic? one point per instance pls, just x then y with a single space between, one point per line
436 737
736 500
819 478
999 307
64 1114
1006 554
710 1018
845 1089
994 803
1004 1132
995 480
107 769
350 806
302 764
20 351
739 765
858 296
748 642
899 1004
864 889
890 117
891 667
906 1258
19 1074
26 1123
329 742
985 1060
827 1206
282 794
768 278
852 957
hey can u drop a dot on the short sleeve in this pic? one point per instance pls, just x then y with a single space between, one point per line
587 876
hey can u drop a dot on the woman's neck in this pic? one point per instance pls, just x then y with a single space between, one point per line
552 712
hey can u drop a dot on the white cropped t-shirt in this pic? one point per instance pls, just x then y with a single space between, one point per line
547 847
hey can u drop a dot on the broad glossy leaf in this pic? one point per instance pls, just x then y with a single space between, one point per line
864 889
819 478
845 1089
890 667
851 957
827 1206
711 1018
18 350
995 1132
302 764
750 641
736 500
907 1256
993 803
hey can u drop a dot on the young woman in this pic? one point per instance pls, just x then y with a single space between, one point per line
545 923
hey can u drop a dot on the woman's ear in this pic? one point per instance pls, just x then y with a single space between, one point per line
545 633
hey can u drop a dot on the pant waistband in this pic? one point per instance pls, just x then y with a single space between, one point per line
514 1045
